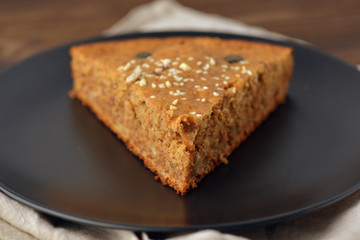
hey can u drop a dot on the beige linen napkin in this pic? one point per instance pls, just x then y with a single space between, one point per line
339 221
169 15
21 222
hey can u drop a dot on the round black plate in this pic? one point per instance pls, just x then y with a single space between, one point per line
56 157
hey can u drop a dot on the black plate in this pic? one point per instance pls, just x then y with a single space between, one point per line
56 157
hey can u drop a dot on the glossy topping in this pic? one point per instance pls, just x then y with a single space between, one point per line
190 83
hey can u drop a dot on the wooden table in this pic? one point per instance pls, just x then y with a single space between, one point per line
28 27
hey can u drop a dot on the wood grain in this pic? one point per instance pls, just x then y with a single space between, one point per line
28 27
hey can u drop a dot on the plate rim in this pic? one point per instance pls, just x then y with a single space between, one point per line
170 229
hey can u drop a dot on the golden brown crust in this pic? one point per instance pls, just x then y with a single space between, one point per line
184 109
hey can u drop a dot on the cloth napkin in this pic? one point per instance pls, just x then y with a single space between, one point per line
169 15
338 221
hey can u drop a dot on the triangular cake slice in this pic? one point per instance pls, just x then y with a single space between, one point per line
181 104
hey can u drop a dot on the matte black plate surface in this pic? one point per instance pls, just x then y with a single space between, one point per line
58 158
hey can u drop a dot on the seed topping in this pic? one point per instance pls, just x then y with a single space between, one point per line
233 58
143 55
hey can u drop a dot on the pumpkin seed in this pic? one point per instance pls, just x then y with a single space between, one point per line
143 55
233 58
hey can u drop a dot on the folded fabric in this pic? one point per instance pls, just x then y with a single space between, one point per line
21 222
168 15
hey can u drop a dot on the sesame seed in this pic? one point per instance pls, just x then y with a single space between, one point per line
161 85
224 66
162 77
183 98
202 78
192 113
212 61
206 67
175 84
165 62
196 86
199 63
227 77
216 78
172 107
142 82
183 93
171 93
174 63
235 67
148 75
216 94
127 66
244 62
221 89
181 84
177 78
199 71
205 72
174 71
198 115
175 102
185 67
145 65
190 58
216 84
158 70
234 90
135 75
203 99
249 72
153 85
225 82
205 88
152 96
168 84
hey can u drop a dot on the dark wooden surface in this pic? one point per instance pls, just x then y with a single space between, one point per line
28 27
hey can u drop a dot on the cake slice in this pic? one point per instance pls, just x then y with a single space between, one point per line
181 104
